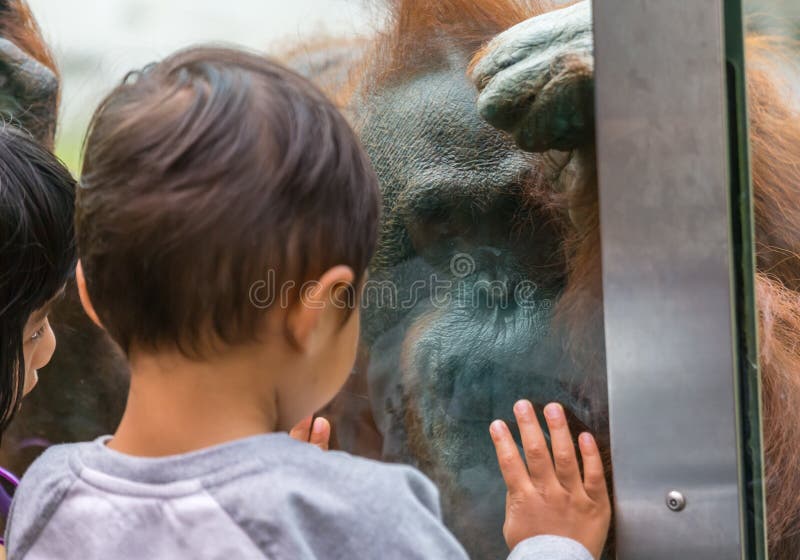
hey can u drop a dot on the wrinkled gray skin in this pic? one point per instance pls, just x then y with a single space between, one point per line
28 91
447 356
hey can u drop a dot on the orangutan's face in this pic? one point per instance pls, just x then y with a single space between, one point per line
461 291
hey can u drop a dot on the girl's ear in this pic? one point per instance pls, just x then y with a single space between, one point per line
86 302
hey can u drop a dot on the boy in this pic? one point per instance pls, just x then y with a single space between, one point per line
201 175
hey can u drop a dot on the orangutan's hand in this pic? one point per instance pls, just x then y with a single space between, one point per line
319 434
28 92
536 80
549 497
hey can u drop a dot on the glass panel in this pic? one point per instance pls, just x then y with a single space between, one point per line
486 287
486 284
776 17
772 78
664 176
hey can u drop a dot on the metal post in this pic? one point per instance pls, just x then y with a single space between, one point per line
669 256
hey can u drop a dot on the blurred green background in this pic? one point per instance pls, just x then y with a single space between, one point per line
96 42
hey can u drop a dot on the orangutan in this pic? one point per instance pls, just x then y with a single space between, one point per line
517 202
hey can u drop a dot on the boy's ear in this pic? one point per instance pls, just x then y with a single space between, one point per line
321 305
86 302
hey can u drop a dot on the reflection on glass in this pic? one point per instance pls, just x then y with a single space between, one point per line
468 208
486 284
776 17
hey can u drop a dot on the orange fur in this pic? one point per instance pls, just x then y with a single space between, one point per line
18 26
422 32
774 138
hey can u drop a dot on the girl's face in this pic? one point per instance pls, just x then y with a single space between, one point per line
38 346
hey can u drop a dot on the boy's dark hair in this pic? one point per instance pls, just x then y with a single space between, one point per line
205 174
37 248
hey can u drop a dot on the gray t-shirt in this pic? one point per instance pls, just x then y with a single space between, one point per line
265 496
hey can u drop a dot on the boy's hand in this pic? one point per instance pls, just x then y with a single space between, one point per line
549 497
319 434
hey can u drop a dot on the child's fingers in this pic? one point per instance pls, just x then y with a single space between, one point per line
537 455
511 466
302 428
320 433
563 450
594 480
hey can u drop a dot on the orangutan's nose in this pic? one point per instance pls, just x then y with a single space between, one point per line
491 283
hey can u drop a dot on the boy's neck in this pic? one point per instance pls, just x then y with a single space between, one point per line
177 405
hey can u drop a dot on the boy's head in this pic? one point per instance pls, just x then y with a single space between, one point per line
216 184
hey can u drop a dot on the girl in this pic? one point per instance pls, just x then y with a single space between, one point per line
37 255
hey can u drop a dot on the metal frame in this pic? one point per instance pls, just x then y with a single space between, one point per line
679 313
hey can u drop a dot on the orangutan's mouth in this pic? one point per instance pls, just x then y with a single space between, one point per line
477 375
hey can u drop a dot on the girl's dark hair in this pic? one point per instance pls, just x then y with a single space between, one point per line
37 248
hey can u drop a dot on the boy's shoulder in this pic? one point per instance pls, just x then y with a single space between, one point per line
49 476
308 503
341 472
291 499
312 503
40 491
51 469
256 463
